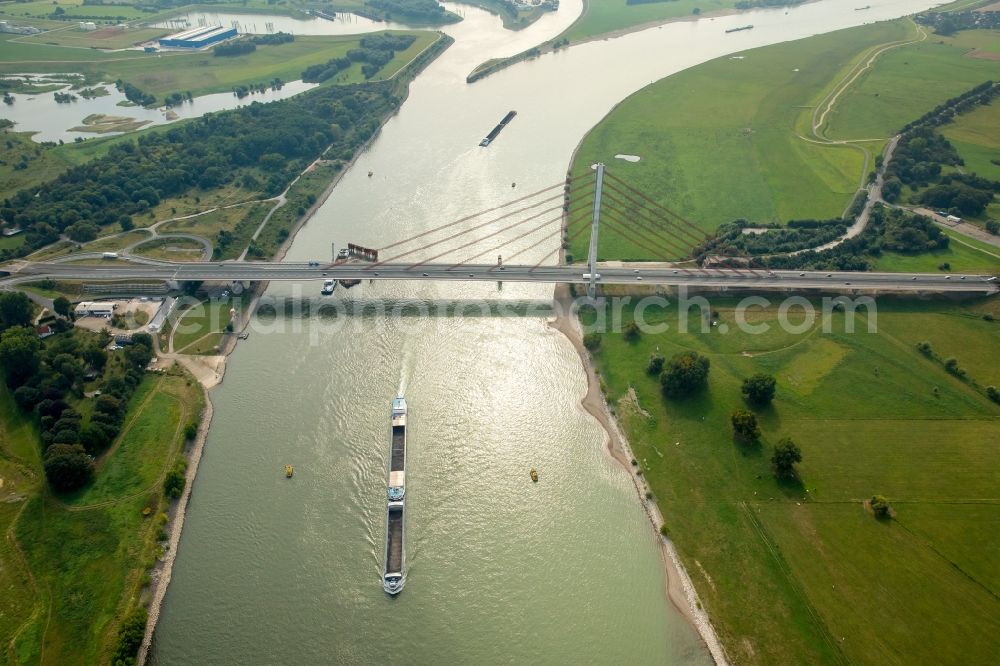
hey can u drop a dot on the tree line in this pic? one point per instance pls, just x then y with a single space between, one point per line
424 11
249 44
375 52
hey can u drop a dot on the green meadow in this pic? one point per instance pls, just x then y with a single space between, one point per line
202 73
600 17
910 81
977 140
801 571
963 255
71 567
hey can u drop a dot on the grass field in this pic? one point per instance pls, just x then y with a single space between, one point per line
71 9
729 149
43 164
603 16
106 37
171 249
977 140
202 73
964 255
909 81
198 330
87 559
872 415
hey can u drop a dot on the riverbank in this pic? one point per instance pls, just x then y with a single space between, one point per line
679 588
558 43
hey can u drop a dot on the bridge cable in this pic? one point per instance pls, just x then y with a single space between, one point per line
471 229
490 235
517 238
474 215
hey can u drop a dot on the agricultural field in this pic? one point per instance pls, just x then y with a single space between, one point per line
872 415
71 10
732 129
74 564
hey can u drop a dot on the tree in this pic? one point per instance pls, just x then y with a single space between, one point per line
992 392
993 227
15 310
758 390
138 355
685 374
94 437
880 506
62 306
68 467
592 340
745 427
130 635
19 354
786 455
631 331
173 483
655 365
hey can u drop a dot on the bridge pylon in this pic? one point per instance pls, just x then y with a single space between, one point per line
594 224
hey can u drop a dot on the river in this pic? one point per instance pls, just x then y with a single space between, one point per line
271 570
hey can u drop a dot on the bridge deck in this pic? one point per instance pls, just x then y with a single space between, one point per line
695 277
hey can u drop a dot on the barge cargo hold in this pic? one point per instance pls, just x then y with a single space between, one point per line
397 457
394 551
393 575
496 130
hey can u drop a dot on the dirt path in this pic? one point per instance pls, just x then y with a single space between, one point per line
679 588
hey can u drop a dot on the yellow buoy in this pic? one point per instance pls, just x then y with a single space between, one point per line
534 475
289 470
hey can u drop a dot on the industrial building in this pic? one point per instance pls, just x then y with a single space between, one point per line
197 38
95 309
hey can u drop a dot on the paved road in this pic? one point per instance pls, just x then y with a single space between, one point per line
707 278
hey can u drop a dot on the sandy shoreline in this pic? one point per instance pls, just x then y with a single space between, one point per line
680 590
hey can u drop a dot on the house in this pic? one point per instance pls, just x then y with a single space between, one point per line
44 332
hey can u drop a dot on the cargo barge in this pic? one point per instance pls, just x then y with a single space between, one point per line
744 27
499 128
395 553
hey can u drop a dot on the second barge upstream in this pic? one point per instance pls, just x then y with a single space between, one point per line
395 552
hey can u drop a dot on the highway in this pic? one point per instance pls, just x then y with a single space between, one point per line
118 269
